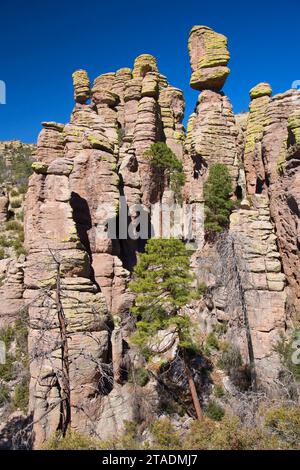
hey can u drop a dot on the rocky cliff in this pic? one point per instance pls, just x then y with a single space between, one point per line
72 280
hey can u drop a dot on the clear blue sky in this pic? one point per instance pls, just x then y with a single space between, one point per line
43 42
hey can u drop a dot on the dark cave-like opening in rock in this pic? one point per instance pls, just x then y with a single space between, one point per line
259 186
239 193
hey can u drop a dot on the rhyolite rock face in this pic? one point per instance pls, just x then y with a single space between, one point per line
264 283
75 266
209 57
253 162
81 170
213 133
271 161
58 269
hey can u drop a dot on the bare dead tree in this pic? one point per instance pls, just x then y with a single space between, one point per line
235 277
65 413
46 346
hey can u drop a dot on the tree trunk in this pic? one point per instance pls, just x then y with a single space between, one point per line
65 419
193 391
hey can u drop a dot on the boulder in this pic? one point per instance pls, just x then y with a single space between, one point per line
209 57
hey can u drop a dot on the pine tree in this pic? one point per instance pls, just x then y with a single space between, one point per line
163 159
162 282
218 204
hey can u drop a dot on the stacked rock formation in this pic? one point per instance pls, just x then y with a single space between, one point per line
212 135
281 157
264 285
81 170
253 163
212 132
209 57
67 313
79 265
271 162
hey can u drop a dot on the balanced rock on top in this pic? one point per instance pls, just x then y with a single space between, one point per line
209 57
262 89
82 87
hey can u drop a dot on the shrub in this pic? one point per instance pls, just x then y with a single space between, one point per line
16 203
4 241
23 188
2 253
21 396
229 434
7 335
19 361
164 435
4 394
221 329
17 245
163 159
219 391
14 226
218 204
72 441
200 292
212 341
20 216
19 169
285 424
139 377
121 136
200 434
215 411
14 193
21 333
239 373
129 439
21 250
286 349
231 358
7 370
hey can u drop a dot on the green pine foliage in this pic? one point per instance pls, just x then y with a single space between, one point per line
214 411
164 159
218 204
162 282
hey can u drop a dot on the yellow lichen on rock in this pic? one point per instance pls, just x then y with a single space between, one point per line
143 64
294 126
262 89
209 57
82 88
